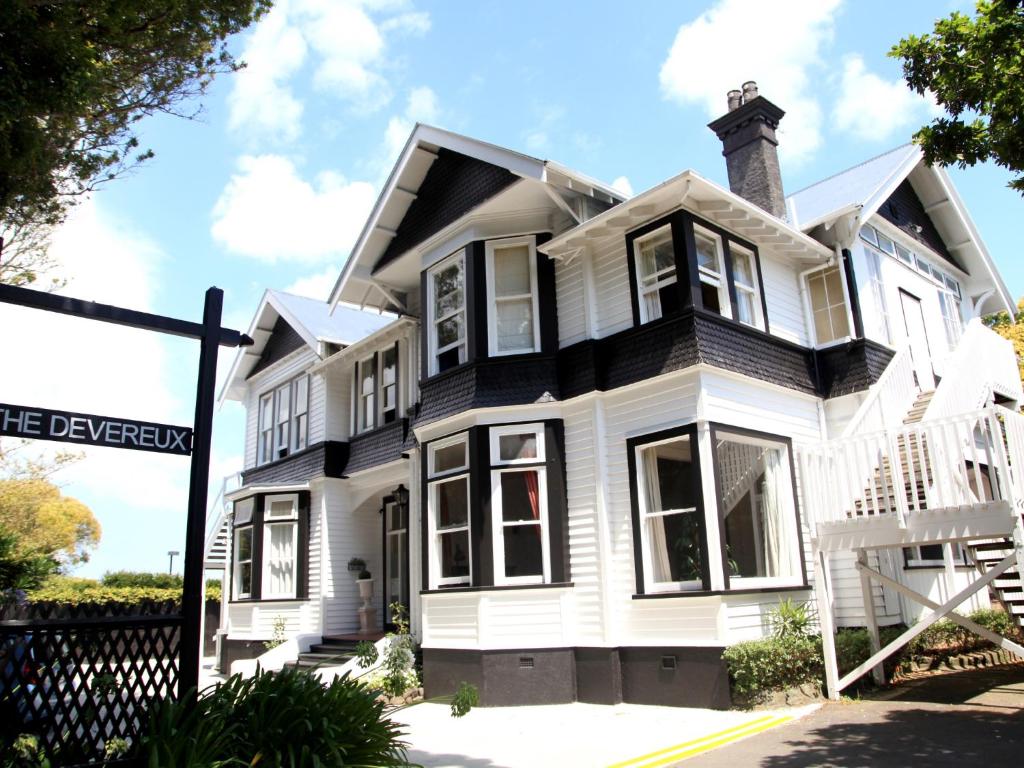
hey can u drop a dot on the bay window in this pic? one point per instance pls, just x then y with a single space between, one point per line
744 274
283 420
449 511
241 577
827 297
280 547
668 511
519 505
446 285
711 269
760 530
655 261
512 296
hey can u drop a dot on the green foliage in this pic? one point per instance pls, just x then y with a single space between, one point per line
68 590
277 634
286 718
973 66
142 579
790 619
77 77
465 698
758 667
45 521
20 571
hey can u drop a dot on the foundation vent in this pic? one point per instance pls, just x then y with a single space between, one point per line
526 662
668 662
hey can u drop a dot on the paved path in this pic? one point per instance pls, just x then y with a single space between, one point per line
973 718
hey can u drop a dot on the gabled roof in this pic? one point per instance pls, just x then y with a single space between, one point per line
851 189
403 185
859 192
312 321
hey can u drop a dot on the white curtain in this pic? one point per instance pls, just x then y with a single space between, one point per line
655 525
778 524
281 560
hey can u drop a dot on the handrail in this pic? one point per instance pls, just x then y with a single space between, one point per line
982 360
889 398
937 464
219 510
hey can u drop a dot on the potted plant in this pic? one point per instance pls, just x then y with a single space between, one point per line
365 582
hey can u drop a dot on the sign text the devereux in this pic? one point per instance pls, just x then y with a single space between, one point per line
89 429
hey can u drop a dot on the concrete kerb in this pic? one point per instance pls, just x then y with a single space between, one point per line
621 736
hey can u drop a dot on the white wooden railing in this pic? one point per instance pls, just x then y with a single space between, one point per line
219 510
982 361
888 400
937 464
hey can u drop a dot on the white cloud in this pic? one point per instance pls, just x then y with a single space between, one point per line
269 212
344 41
420 107
316 286
873 109
735 41
622 185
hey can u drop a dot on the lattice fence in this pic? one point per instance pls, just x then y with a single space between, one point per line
79 682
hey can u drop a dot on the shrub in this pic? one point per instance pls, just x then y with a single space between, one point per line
790 618
758 667
853 648
142 579
70 590
275 719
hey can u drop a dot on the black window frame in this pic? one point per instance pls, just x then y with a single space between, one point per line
688 283
258 522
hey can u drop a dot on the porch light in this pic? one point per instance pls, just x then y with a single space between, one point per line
401 496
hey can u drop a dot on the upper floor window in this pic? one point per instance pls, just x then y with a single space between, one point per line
512 296
377 389
829 315
655 260
711 268
744 273
446 285
283 420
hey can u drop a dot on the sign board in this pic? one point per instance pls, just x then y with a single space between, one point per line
89 429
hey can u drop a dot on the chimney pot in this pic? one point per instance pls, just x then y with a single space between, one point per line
735 99
749 91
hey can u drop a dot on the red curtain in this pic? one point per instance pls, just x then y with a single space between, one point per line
533 494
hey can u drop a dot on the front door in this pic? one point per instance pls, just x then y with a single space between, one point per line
396 558
917 337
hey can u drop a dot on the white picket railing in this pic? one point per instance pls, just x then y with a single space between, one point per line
888 400
957 461
983 360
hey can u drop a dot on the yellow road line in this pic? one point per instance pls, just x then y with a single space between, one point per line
703 744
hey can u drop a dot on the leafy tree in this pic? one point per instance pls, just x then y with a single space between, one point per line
20 571
75 78
974 68
47 523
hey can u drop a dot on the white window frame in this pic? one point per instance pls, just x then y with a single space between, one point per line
499 524
291 518
496 433
758 582
492 298
434 533
279 439
809 308
753 291
382 386
265 428
663 279
878 294
299 427
718 280
282 426
362 425
952 316
650 585
460 259
913 559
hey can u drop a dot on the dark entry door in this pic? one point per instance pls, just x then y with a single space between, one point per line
396 558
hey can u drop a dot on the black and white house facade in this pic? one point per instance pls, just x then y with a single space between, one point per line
591 441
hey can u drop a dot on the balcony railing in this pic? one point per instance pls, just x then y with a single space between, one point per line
969 460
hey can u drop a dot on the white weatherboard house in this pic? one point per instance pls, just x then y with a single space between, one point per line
592 441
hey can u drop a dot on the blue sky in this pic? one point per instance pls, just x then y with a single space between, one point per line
270 186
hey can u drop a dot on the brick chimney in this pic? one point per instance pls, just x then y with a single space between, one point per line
747 133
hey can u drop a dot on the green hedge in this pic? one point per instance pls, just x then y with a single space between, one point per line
142 579
67 590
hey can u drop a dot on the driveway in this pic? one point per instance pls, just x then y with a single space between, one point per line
972 718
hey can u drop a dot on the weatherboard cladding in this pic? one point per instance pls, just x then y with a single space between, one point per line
282 342
378 446
905 210
454 185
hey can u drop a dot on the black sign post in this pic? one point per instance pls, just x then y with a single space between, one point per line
89 429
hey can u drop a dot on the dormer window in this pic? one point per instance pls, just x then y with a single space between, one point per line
446 284
656 274
512 296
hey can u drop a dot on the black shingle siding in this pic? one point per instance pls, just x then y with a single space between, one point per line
852 367
905 210
282 342
379 446
454 185
299 467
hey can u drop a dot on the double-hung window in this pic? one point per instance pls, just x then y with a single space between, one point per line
446 285
711 269
300 413
949 303
241 577
758 512
283 426
670 520
744 277
376 390
448 513
519 510
280 546
655 261
266 428
366 402
389 385
829 315
512 296
282 419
